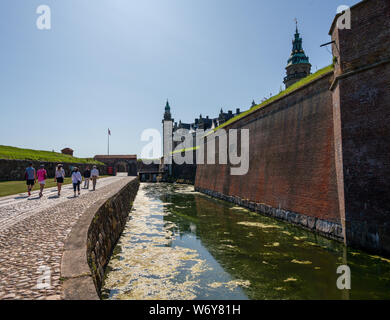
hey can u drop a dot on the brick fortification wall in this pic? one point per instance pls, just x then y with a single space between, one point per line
184 173
361 94
319 157
292 166
14 170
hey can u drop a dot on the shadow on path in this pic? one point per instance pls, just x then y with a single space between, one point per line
21 197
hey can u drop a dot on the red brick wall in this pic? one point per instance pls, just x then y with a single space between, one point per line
365 129
363 96
367 41
292 164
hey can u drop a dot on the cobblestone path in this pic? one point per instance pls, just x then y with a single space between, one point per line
32 236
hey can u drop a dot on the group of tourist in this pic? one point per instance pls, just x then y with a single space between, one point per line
41 175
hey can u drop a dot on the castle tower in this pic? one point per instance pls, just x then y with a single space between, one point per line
298 66
167 117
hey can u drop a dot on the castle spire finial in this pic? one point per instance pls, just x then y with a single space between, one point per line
296 25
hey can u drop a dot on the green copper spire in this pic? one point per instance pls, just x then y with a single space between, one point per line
298 65
167 113
298 54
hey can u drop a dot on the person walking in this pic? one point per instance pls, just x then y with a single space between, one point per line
94 175
42 175
87 176
76 180
59 178
31 177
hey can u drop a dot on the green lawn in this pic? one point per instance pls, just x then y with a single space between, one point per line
8 188
7 152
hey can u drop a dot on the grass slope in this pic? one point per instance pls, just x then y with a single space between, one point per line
7 152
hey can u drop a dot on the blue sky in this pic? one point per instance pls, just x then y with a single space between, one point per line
113 63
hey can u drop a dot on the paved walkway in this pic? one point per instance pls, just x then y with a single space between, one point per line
32 236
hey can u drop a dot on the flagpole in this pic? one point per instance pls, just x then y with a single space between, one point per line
108 142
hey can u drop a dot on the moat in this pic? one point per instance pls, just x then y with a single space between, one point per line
180 244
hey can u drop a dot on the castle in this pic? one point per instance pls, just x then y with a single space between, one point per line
319 155
200 123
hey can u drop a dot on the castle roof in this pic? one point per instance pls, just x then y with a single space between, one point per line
167 113
297 54
201 122
167 106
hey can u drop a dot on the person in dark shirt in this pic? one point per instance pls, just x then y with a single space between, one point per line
87 176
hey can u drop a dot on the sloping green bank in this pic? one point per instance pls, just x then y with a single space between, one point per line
13 153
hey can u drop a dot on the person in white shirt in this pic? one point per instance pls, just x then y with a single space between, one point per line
59 177
76 180
94 176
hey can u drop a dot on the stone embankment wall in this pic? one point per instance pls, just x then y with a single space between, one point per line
106 228
92 240
13 170
329 229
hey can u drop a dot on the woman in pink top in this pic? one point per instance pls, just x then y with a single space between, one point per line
42 175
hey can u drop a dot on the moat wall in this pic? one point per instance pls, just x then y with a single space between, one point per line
184 173
321 154
106 228
291 161
92 241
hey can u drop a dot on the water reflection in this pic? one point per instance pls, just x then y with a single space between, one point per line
180 244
